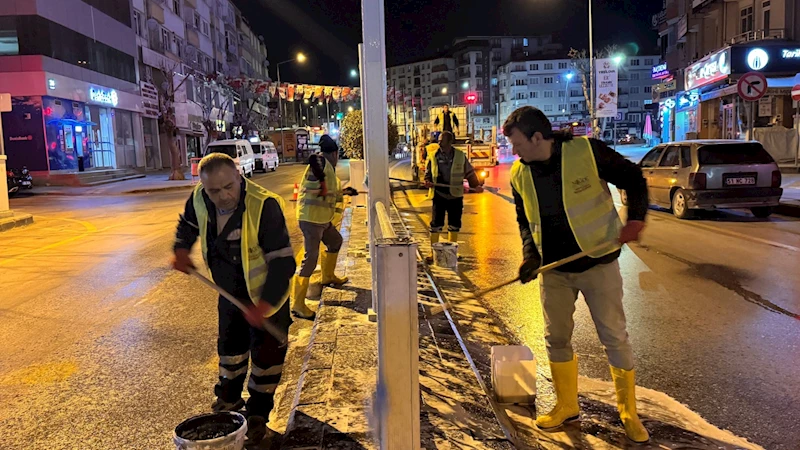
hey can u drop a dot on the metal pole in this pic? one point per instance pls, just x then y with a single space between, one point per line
328 108
591 70
796 121
750 125
280 107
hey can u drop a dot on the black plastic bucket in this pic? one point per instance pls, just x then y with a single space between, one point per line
215 431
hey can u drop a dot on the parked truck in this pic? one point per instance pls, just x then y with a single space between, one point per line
479 153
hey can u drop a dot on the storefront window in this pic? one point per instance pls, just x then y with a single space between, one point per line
123 138
101 141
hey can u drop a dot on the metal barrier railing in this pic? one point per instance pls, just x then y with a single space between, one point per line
384 222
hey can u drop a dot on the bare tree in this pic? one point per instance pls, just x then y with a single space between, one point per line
581 63
208 105
251 92
166 117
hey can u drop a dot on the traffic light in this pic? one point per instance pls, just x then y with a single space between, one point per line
471 98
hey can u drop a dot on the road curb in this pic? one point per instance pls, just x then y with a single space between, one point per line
15 221
788 209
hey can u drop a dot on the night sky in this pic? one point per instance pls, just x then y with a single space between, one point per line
328 31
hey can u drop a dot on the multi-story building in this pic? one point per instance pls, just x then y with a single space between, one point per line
469 67
70 66
707 45
418 86
555 87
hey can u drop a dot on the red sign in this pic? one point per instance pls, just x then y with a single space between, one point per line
752 86
471 98
796 93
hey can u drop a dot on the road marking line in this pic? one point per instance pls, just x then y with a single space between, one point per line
90 228
730 233
46 247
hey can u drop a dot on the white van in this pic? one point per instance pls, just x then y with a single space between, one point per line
238 149
266 156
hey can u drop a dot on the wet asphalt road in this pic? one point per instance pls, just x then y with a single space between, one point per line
104 346
713 308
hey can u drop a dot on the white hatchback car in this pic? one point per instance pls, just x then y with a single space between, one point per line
266 156
238 149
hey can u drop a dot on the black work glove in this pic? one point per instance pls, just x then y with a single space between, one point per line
527 271
349 191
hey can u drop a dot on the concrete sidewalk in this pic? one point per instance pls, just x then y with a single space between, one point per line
790 200
10 219
156 182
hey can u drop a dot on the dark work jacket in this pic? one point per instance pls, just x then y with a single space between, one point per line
225 255
558 241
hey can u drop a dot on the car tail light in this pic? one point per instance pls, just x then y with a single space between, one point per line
776 178
9 173
697 180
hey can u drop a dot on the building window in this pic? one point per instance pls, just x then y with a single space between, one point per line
524 42
648 61
119 10
746 16
562 94
562 107
519 82
206 29
534 94
548 80
634 89
176 7
766 8
520 96
548 66
137 23
634 76
177 45
548 94
197 20
562 65
548 108
534 67
165 39
534 80
575 93
634 103
635 62
479 109
648 89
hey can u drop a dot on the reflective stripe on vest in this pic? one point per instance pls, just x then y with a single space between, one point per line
457 171
590 210
310 206
254 261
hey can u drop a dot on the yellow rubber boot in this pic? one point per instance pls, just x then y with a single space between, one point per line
329 278
625 386
452 236
434 240
299 307
565 381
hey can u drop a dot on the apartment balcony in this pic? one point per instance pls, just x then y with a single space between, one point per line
155 10
440 80
192 3
154 43
440 68
192 37
759 35
464 73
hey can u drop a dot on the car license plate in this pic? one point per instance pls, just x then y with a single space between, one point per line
740 181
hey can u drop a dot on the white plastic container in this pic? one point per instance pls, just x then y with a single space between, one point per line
514 374
445 255
215 431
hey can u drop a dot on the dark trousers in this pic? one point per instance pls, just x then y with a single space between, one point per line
239 346
453 208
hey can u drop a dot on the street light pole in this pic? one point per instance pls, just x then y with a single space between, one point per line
300 58
591 70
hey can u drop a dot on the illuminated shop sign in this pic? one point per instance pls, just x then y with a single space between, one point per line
687 100
790 53
757 59
710 69
108 97
766 58
660 71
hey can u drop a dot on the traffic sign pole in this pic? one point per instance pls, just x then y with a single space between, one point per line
751 87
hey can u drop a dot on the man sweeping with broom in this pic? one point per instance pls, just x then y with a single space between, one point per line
246 246
564 208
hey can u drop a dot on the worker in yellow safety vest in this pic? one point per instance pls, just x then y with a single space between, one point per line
564 207
446 170
245 244
319 206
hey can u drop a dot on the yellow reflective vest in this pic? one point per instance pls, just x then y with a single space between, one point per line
254 261
457 170
311 207
587 200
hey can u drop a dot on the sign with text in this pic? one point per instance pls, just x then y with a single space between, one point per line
765 106
607 78
772 59
149 100
660 71
712 68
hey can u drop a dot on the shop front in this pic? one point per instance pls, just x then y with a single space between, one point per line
77 126
722 113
